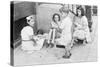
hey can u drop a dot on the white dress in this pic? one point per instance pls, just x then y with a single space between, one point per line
66 35
28 44
26 32
82 29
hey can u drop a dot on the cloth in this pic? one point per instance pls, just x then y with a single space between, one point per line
66 34
26 32
27 43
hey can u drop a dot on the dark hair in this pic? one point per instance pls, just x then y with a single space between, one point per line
54 16
64 9
82 11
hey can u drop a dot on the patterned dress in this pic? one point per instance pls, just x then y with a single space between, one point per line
81 30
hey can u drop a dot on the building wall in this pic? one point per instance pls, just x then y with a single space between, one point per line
23 9
44 15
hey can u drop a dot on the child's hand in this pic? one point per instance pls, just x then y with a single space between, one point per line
35 38
54 26
59 30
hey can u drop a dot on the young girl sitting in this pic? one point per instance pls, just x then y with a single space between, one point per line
54 25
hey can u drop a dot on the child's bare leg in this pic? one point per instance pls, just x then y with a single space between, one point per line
72 42
67 51
49 38
53 38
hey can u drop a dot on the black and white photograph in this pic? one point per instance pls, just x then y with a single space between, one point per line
53 33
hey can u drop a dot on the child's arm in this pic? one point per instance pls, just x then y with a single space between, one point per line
54 25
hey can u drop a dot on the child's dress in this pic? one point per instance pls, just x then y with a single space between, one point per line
52 32
82 29
26 33
29 44
66 35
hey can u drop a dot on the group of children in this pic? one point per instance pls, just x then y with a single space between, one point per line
60 33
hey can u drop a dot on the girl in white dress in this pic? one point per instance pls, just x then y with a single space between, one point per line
30 41
66 34
81 29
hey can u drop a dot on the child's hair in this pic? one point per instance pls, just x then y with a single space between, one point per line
82 11
28 18
64 9
54 16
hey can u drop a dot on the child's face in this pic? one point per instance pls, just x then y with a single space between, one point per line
56 18
79 12
30 21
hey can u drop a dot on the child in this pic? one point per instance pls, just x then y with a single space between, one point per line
30 42
27 34
54 25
